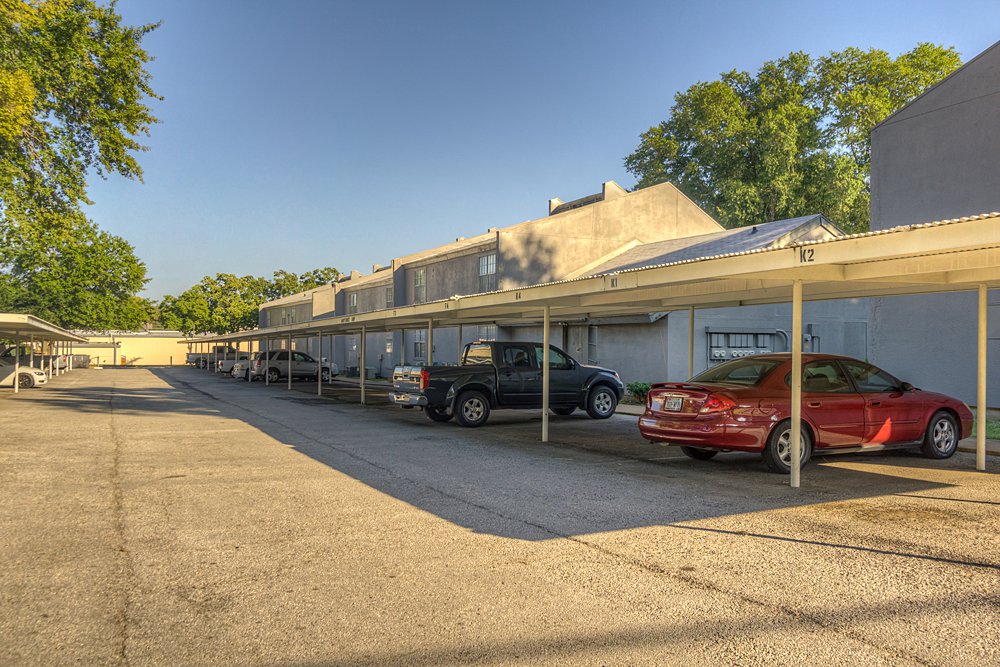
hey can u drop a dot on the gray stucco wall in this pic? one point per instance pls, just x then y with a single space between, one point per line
658 352
445 277
937 159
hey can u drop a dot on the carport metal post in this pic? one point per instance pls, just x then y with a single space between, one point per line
17 361
266 360
545 373
690 342
796 437
981 381
430 342
319 366
364 349
289 362
32 352
459 344
329 379
49 355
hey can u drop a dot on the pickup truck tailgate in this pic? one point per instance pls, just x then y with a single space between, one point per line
406 379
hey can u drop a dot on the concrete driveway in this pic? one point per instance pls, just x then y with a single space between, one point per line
169 516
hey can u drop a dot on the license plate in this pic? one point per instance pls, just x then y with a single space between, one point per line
674 403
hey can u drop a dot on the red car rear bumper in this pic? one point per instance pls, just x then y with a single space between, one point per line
713 432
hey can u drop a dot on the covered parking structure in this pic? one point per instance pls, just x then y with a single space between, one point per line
20 327
961 254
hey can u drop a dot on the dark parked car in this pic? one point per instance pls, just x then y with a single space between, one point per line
847 405
505 375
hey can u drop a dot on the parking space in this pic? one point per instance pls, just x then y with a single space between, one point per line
168 516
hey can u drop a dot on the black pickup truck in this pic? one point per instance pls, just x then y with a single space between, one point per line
505 375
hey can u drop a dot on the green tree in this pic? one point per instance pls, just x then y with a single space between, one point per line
791 140
73 91
74 274
227 303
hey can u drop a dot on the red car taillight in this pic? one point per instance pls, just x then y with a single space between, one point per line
717 404
425 378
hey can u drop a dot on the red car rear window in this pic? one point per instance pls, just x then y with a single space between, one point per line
748 371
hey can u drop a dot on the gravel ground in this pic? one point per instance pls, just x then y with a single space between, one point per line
169 516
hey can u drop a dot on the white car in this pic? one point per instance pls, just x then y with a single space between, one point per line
27 376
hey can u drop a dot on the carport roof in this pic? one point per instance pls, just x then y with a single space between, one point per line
18 324
943 256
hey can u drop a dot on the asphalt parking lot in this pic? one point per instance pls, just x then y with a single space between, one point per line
169 516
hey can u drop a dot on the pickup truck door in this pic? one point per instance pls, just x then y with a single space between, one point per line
514 368
564 381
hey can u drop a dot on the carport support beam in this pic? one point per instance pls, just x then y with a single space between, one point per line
329 360
289 362
690 342
545 373
364 351
17 361
430 342
319 365
981 381
796 435
266 359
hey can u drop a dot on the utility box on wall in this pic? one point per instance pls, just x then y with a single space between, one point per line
735 343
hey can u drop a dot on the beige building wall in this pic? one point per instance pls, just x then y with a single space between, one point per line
138 349
564 244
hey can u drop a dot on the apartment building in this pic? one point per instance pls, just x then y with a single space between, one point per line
609 231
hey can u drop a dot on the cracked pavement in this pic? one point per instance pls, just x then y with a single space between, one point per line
169 516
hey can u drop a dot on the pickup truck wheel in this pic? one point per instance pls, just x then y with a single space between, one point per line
602 402
437 414
567 410
273 375
472 409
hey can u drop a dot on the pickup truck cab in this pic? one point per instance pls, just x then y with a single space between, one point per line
505 374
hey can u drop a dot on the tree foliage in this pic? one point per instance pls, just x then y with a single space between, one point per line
73 274
73 87
73 92
227 303
791 140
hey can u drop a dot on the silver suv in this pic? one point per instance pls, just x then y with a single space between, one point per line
275 367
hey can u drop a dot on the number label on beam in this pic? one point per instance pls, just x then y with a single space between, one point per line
807 255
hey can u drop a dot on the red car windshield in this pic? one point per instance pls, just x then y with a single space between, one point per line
747 371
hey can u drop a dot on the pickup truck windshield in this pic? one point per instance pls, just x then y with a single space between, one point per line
478 354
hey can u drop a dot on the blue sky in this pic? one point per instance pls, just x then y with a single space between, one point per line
302 134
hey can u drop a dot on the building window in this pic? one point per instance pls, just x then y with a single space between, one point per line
420 343
592 345
488 273
487 332
420 285
390 299
388 343
352 302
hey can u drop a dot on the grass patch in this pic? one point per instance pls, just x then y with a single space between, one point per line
992 429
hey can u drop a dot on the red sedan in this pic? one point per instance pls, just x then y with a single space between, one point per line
848 405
